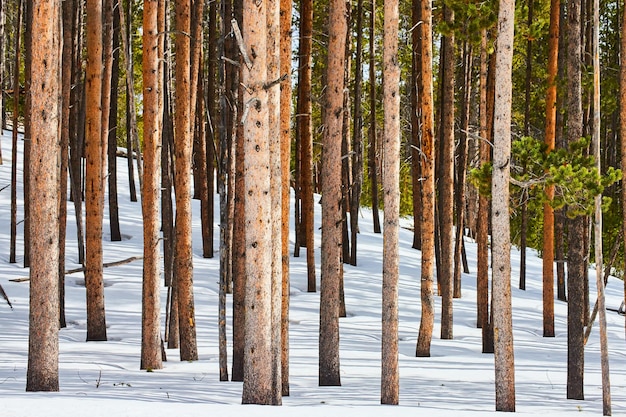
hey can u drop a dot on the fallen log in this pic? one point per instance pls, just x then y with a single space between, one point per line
82 268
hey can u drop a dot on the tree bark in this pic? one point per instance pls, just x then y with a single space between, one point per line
372 154
576 253
390 383
622 117
114 220
501 235
428 184
446 183
331 269
43 347
16 89
183 255
96 323
258 364
548 212
151 303
285 151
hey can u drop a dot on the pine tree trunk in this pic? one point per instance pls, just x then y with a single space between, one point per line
501 235
183 256
576 253
446 182
548 212
372 154
390 383
96 323
16 89
622 117
285 151
43 348
332 267
416 106
151 304
427 219
258 364
306 139
114 221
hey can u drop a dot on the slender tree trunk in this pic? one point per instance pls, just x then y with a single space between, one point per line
151 303
428 183
66 86
446 182
114 220
482 223
28 35
331 270
96 323
575 240
107 71
461 168
306 138
134 151
15 121
597 219
501 236
3 43
548 212
372 154
183 255
416 110
43 347
285 152
390 382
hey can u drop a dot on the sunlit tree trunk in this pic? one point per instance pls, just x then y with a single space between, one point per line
548 212
331 270
258 382
183 258
390 382
576 252
43 347
622 92
94 202
151 304
501 235
372 153
285 152
428 184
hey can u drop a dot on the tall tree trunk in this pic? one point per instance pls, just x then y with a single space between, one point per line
427 163
107 71
332 267
390 383
416 105
446 182
285 152
114 220
183 255
43 347
461 167
372 154
357 138
597 219
548 212
482 222
151 303
575 239
96 323
501 236
306 138
273 80
134 150
3 43
66 87
258 367
28 35
15 121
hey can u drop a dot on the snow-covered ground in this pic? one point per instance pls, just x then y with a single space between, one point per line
103 378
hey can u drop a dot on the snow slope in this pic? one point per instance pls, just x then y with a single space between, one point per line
103 378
